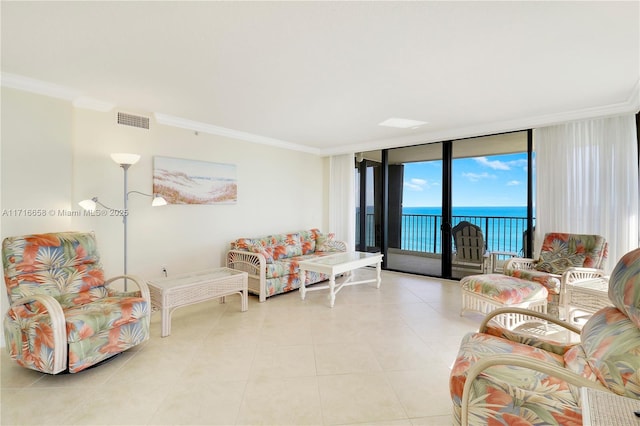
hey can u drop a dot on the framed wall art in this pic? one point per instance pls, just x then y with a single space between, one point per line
182 181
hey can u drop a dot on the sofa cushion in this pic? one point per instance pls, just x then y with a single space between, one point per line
272 247
291 265
327 243
63 265
103 316
242 243
257 248
624 286
503 288
559 262
291 282
493 396
561 251
611 344
308 240
550 281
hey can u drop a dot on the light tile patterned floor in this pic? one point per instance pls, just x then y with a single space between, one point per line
379 357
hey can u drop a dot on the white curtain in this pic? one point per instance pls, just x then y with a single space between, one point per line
342 205
587 182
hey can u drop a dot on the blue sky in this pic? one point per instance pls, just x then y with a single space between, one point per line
499 180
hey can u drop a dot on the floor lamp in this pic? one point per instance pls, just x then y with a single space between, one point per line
125 161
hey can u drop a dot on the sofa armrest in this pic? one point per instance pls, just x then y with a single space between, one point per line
253 264
340 245
516 360
143 288
573 275
546 317
58 327
519 263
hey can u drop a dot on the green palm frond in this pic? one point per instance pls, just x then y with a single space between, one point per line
140 310
132 334
49 257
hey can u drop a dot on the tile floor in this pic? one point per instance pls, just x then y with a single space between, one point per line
380 356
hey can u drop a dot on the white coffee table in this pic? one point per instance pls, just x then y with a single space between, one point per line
337 264
168 294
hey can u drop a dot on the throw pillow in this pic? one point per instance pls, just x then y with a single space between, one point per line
557 262
326 242
258 248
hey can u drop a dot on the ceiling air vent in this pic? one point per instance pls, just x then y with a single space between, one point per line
133 120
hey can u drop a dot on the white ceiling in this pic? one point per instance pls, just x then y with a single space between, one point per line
320 76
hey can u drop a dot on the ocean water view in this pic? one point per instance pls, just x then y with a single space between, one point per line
493 211
502 226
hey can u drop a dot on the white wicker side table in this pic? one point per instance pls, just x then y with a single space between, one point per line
168 294
586 296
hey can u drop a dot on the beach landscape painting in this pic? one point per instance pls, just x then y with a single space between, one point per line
182 181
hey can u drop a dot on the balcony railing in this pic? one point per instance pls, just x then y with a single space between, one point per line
421 233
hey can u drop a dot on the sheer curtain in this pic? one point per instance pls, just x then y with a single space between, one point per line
342 205
587 181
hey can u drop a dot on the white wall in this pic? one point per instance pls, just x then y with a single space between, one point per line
54 155
36 167
278 190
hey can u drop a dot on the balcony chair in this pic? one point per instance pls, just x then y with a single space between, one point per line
470 251
506 377
564 258
63 314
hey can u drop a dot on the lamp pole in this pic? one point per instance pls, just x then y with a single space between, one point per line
125 213
125 161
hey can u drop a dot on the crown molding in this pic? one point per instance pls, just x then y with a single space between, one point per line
15 81
86 102
630 105
32 85
197 126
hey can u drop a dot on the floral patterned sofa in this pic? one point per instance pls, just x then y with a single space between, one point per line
272 261
64 316
506 377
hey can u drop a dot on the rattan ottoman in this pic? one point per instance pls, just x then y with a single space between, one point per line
487 292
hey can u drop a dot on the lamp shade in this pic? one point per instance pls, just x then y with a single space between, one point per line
158 201
88 204
124 158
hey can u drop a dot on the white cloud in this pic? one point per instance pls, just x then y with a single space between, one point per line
513 183
495 164
500 165
418 184
413 186
475 177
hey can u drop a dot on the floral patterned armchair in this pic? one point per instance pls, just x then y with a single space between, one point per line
564 258
63 315
506 377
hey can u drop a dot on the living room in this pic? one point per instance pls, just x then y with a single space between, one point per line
56 152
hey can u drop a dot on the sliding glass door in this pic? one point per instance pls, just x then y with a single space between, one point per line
369 205
415 209
489 190
414 196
